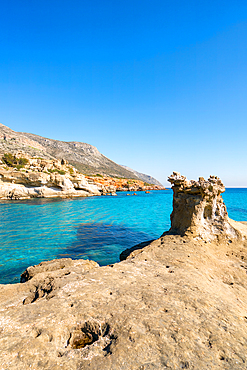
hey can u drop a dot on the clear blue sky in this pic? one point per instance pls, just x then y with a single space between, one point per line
154 85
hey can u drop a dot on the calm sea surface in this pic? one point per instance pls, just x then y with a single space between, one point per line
97 228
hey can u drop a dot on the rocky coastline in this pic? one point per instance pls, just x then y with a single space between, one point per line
47 178
178 302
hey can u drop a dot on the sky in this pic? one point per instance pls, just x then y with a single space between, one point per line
158 86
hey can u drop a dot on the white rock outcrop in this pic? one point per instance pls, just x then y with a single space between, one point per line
44 178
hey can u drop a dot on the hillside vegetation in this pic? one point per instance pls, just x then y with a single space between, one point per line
84 157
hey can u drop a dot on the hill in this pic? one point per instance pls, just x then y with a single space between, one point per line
85 157
144 177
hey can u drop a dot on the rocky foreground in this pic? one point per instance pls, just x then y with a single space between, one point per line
179 302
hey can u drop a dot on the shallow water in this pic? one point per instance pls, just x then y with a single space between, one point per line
97 228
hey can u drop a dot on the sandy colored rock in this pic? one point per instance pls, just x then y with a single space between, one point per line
42 178
46 178
198 208
178 302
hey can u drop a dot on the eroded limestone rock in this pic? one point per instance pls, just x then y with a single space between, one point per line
178 303
41 178
198 208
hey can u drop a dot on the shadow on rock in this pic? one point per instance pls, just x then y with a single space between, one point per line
128 251
103 243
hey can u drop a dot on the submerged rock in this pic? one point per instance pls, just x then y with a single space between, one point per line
177 302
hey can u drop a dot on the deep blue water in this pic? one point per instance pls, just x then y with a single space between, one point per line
97 228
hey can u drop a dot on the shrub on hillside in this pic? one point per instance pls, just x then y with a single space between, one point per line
12 161
55 170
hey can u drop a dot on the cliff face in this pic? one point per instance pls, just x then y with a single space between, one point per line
179 302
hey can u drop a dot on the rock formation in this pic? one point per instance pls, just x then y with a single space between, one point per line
198 208
174 303
43 178
39 177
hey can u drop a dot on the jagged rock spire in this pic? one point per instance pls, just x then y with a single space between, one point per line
198 208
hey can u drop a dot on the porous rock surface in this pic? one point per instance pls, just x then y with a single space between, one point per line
198 208
175 303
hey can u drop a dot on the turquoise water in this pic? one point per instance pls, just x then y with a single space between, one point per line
97 228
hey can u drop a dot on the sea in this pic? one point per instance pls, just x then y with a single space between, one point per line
96 228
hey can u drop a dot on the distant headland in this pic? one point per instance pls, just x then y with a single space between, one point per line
32 166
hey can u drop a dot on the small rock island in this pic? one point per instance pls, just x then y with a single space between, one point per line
178 302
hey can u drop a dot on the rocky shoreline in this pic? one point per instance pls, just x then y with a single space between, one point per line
178 302
44 178
119 184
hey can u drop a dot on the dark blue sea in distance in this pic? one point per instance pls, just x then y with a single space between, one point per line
97 228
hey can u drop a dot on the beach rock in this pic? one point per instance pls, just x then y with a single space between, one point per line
56 178
177 302
125 254
53 265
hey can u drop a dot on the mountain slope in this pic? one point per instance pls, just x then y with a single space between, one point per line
12 142
143 177
85 157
